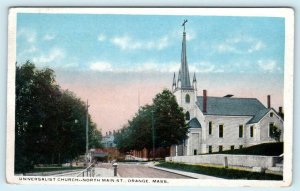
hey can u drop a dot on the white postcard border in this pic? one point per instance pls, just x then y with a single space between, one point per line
287 13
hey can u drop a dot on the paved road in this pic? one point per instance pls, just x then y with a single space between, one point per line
142 171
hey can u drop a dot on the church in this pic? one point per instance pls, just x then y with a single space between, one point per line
220 123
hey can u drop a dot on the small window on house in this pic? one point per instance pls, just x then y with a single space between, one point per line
232 147
220 148
271 114
195 151
241 131
187 98
271 126
187 115
221 131
209 149
210 128
251 131
241 146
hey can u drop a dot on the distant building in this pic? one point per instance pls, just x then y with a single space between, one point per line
108 140
220 123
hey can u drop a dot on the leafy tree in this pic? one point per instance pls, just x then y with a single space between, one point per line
168 121
170 127
50 122
275 133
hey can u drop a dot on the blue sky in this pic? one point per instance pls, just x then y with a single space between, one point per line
141 43
111 59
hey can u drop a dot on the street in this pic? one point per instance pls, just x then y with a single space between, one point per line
141 171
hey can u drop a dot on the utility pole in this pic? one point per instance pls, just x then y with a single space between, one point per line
153 137
87 132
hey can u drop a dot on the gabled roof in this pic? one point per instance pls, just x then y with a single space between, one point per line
261 114
229 106
194 123
258 116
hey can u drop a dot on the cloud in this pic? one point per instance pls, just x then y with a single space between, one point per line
127 43
53 55
101 37
27 34
268 65
240 45
152 66
205 67
101 66
49 37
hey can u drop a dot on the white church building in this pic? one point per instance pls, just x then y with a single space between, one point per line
220 123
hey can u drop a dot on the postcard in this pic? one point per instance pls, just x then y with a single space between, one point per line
150 96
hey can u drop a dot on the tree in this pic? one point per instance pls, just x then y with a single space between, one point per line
169 125
50 122
275 133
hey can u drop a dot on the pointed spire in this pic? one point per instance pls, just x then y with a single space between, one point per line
179 79
185 76
195 82
174 82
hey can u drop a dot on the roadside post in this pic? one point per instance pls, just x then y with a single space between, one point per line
115 165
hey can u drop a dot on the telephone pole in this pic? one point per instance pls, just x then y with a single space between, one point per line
87 132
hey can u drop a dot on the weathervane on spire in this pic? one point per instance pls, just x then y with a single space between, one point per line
183 24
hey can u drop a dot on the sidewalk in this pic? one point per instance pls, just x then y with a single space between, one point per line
189 174
104 172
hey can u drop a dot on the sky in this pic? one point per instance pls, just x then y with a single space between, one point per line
120 62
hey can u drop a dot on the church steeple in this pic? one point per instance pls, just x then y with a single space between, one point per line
184 69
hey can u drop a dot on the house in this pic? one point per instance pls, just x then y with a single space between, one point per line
220 123
108 140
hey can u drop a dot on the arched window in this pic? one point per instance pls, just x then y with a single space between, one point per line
187 116
187 98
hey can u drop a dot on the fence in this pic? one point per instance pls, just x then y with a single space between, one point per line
88 172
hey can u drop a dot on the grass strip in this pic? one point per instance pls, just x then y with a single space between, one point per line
220 172
50 169
265 149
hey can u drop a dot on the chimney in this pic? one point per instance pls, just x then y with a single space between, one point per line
280 110
204 101
269 101
106 133
109 132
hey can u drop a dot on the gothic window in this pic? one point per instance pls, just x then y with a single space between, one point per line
195 151
220 148
210 128
209 149
187 98
221 131
240 131
187 115
271 126
251 131
271 114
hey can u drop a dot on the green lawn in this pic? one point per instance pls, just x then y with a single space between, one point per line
266 149
220 172
50 169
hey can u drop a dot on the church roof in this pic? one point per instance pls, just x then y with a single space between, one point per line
259 115
231 106
194 123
